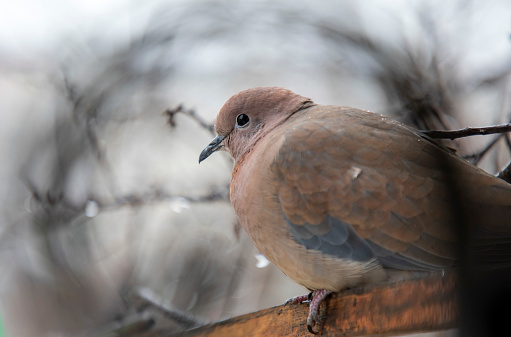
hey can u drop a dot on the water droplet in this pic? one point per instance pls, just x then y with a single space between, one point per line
91 208
179 203
262 261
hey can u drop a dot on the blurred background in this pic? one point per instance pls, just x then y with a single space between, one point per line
106 105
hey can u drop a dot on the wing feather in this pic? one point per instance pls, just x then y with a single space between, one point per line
355 186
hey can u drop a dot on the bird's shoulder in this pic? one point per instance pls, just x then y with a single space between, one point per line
357 166
336 145
339 131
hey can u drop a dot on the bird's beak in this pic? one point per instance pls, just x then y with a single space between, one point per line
215 145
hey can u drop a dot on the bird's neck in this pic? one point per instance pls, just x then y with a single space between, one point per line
238 153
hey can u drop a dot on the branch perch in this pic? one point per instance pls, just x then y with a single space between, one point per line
410 306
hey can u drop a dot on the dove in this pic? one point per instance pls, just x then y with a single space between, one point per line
338 197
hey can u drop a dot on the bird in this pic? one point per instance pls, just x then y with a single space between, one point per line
338 197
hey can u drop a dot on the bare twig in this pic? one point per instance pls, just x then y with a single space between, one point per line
48 200
160 196
476 157
505 174
508 142
84 115
466 132
170 113
146 299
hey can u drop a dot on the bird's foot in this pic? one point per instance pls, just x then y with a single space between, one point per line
315 298
313 322
299 299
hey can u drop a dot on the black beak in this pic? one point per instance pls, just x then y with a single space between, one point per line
215 145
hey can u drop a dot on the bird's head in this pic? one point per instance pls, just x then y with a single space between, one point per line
247 116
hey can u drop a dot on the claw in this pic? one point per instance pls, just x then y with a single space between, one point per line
298 299
309 327
315 298
313 319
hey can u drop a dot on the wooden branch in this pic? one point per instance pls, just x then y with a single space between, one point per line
410 306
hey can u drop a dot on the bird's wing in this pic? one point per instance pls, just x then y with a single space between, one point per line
356 186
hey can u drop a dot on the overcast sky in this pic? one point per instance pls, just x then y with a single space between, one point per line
28 24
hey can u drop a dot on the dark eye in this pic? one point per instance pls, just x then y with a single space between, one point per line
242 120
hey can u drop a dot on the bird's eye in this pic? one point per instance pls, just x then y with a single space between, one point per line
242 120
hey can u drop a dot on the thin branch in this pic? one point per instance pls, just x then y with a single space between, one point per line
171 113
145 299
476 157
505 174
47 201
508 143
466 132
87 113
159 196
